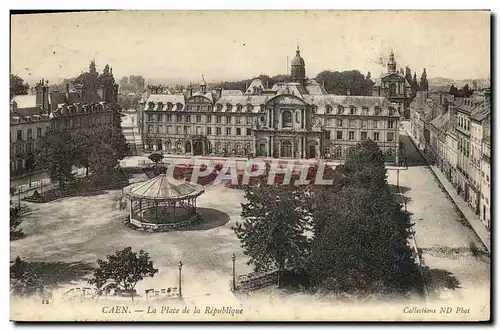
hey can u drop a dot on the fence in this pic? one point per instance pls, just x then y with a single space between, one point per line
163 293
256 281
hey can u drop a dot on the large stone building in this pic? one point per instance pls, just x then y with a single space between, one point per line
296 119
32 115
394 86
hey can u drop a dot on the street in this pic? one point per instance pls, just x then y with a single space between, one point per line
443 235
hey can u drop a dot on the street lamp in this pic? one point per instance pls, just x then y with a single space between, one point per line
234 272
180 279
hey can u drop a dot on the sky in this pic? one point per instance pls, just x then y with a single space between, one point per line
224 45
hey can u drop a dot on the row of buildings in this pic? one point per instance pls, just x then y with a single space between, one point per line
455 133
32 115
296 119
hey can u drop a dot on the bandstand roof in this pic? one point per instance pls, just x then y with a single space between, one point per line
163 188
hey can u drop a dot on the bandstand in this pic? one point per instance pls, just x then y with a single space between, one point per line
160 204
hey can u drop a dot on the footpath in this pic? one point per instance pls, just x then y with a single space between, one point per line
469 215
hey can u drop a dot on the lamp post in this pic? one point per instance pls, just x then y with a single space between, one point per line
180 279
234 271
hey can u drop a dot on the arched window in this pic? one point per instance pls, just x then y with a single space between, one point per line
350 152
377 110
352 110
286 119
238 107
218 147
249 107
198 107
389 156
168 145
364 110
338 152
340 110
229 107
262 108
150 145
328 109
179 106
169 106
327 151
151 105
391 111
286 149
239 150
219 107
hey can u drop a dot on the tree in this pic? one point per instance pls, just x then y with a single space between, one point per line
15 222
275 221
30 164
424 84
453 90
156 157
408 74
18 86
360 243
83 143
24 282
414 84
56 154
340 82
122 271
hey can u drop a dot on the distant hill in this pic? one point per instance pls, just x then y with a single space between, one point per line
446 82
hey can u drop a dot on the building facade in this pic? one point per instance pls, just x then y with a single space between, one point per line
296 119
71 110
394 86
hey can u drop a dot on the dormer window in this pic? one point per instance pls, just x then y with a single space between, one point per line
262 108
352 110
160 106
151 105
391 111
249 107
364 110
198 107
229 107
340 110
219 107
377 110
169 106
209 107
179 106
238 107
328 109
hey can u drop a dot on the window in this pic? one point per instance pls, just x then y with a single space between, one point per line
391 111
228 119
364 110
229 107
188 118
339 135
179 129
375 124
238 131
169 129
249 132
219 107
340 123
179 118
209 131
351 135
238 120
340 110
376 136
39 133
338 152
390 136
179 106
168 118
30 134
228 131
352 110
261 109
352 123
377 110
209 118
197 107
327 135
150 129
158 129
198 118
218 131
364 135
186 128
160 117
218 119
248 120
249 108
328 109
364 124
286 118
390 124
238 107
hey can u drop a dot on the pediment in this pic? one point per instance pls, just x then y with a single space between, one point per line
287 99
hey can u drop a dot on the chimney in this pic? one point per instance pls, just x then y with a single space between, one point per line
189 91
218 92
